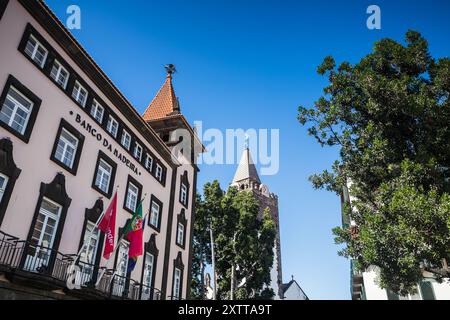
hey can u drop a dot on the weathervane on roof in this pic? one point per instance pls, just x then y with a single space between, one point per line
170 68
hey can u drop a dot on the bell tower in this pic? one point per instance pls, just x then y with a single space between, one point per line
246 179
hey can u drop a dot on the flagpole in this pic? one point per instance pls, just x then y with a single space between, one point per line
93 229
115 251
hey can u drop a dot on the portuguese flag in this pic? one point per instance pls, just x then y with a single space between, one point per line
134 234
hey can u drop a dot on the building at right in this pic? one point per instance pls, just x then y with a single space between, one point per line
364 284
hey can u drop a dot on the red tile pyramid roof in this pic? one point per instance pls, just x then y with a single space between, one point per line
165 102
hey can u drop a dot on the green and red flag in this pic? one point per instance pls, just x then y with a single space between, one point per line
134 234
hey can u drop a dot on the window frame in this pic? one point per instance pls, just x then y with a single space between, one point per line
178 265
111 120
96 234
147 157
33 55
135 183
174 283
119 288
183 193
110 162
158 177
55 191
150 248
9 169
184 181
137 146
64 125
96 106
178 233
13 82
58 73
81 87
181 220
123 138
155 200
150 285
91 216
56 217
4 186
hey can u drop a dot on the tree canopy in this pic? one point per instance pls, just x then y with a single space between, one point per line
241 241
389 115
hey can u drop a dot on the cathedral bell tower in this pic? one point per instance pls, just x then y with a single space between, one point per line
246 179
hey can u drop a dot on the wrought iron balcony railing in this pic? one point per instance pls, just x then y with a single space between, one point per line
51 266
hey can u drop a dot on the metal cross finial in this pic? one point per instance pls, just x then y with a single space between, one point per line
246 141
170 68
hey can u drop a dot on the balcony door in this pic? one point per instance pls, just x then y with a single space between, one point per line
89 253
147 278
43 236
121 269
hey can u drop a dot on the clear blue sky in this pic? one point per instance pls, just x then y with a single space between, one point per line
249 64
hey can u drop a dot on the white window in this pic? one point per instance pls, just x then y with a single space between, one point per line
43 235
66 148
126 140
36 51
158 172
113 126
91 238
148 162
148 276
89 253
121 267
176 284
16 110
132 197
59 74
97 111
3 184
180 234
183 194
138 151
103 176
80 94
154 214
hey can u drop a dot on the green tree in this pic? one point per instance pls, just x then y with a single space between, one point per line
389 116
201 255
205 210
243 243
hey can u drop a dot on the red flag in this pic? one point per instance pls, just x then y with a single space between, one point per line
134 233
108 226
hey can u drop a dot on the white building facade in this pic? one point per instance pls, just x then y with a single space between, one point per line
364 285
69 140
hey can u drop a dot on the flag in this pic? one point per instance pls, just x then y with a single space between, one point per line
133 259
108 226
134 234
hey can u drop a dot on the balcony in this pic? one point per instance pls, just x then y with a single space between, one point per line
40 267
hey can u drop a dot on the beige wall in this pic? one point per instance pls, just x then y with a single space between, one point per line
34 157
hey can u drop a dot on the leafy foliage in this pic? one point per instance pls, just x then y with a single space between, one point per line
241 240
389 116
